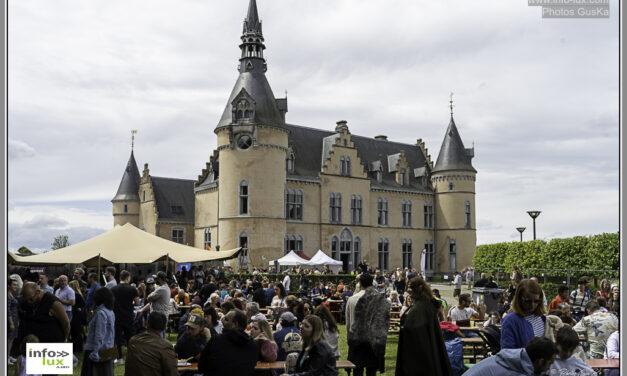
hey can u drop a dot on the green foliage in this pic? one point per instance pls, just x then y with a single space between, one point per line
597 252
295 278
23 251
60 241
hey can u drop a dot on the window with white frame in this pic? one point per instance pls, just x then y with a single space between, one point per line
293 243
406 213
382 211
407 253
452 255
467 214
243 197
356 210
294 204
178 235
429 255
428 214
207 238
384 253
335 207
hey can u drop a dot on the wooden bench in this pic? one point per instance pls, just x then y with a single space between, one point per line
262 366
604 363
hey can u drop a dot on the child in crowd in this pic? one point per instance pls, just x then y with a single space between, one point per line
20 364
566 363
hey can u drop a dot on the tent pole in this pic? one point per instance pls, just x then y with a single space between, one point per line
167 262
99 266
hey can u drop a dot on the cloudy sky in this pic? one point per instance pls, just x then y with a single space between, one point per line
538 97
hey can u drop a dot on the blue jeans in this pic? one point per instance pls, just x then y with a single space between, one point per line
69 315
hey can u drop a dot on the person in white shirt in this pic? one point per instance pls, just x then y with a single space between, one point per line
286 282
457 284
110 277
462 310
612 351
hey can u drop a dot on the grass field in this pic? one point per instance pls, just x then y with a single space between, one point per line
390 351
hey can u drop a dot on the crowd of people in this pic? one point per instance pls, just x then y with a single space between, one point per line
227 326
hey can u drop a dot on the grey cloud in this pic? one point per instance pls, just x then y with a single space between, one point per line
19 149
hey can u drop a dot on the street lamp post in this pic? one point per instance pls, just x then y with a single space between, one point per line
534 214
521 230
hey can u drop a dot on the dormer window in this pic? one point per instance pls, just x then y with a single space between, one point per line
402 178
244 110
379 176
289 163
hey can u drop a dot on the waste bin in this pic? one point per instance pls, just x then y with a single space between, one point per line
489 296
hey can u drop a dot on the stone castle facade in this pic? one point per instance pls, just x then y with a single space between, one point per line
272 187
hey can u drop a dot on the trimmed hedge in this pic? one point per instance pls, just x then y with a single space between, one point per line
295 278
597 252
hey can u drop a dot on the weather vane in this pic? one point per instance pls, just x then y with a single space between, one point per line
133 133
451 103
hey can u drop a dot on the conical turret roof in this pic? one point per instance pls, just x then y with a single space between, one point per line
453 155
129 186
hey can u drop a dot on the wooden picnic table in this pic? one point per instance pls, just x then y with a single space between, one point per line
191 367
604 363
280 365
478 346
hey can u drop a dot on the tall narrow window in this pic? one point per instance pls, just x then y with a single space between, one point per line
379 176
406 213
125 208
207 238
357 254
335 207
428 211
452 255
143 195
289 163
345 165
243 241
294 204
407 253
243 197
178 235
356 210
382 211
384 253
402 179
334 248
347 170
429 255
342 162
450 186
467 215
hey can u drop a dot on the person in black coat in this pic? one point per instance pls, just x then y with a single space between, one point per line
421 349
317 357
259 295
231 353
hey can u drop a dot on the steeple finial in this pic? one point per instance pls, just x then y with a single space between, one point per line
451 104
252 38
133 133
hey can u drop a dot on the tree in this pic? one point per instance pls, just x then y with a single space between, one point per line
60 242
23 251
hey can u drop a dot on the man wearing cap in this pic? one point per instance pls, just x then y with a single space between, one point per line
191 343
288 339
159 300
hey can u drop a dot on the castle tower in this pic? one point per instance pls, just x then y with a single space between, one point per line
252 146
453 179
126 200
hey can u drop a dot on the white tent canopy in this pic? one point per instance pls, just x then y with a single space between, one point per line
321 258
123 244
291 259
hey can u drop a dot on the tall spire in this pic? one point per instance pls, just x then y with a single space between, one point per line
252 37
251 100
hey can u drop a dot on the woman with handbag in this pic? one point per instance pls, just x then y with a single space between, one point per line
100 349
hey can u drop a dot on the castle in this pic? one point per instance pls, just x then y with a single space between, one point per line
272 187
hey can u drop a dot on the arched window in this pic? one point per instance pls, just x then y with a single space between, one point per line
244 110
243 197
293 243
452 255
467 214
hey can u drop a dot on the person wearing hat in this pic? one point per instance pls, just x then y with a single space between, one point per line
196 336
288 339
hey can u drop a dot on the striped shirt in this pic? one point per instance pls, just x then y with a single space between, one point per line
537 324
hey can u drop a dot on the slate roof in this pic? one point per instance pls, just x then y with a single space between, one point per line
453 155
129 185
174 199
308 145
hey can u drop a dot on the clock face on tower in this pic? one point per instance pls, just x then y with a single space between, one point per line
244 142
